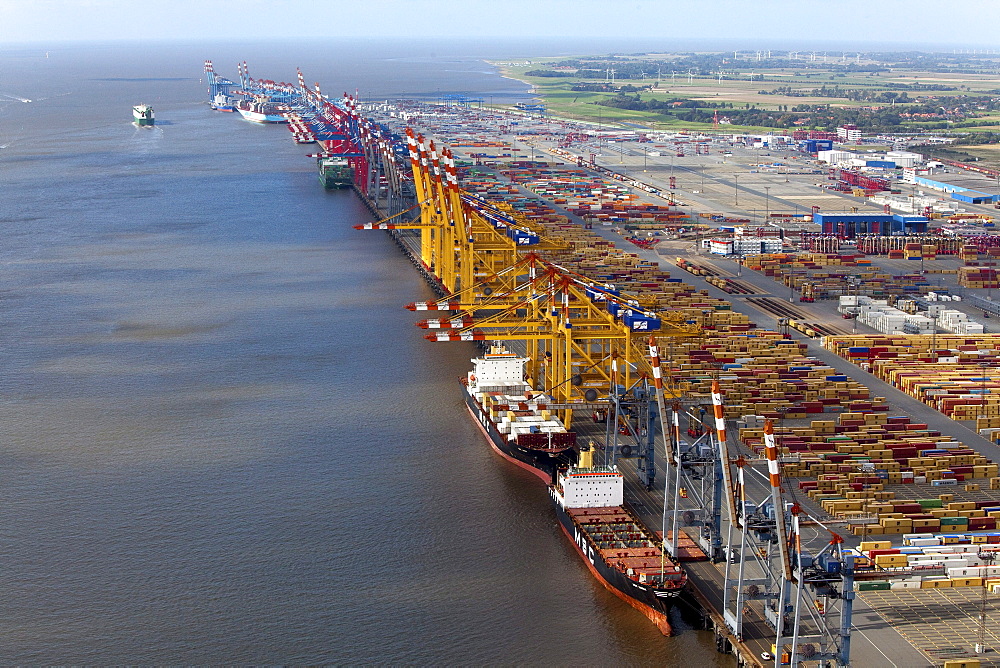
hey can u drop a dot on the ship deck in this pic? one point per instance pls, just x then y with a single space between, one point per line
623 543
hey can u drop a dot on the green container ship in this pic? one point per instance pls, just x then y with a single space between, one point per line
335 172
143 115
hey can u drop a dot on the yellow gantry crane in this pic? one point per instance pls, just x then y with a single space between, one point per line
579 334
464 239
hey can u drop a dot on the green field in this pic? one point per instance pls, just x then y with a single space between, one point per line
936 93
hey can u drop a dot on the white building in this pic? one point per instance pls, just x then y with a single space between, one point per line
848 133
741 245
904 158
835 157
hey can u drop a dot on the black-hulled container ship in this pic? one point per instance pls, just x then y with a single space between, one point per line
514 417
622 553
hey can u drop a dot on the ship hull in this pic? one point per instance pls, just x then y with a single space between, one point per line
542 464
334 181
654 603
142 116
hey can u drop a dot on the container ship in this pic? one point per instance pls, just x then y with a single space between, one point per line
612 542
262 112
514 417
142 115
335 172
222 102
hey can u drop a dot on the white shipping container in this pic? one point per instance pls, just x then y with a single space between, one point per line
911 536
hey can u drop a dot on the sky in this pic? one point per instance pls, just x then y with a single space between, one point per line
968 23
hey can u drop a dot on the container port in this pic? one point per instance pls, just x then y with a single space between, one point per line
826 479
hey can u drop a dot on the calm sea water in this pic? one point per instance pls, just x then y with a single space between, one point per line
222 440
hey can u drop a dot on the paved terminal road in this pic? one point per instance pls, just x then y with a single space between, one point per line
944 623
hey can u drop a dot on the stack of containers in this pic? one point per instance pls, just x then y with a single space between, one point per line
958 322
932 561
954 374
969 253
912 251
977 277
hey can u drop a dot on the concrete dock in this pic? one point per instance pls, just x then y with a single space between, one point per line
893 628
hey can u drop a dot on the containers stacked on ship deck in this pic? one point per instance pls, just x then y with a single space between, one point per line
521 414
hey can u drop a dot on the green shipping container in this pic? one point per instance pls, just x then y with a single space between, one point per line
931 503
876 585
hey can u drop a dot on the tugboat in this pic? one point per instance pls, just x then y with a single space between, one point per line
142 115
514 417
618 549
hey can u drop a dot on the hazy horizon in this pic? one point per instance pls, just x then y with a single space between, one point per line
638 25
497 47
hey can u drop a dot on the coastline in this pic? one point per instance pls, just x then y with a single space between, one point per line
504 72
536 92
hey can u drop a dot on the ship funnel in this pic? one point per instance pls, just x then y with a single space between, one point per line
586 457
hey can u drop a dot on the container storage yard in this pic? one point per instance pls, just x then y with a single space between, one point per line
813 429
